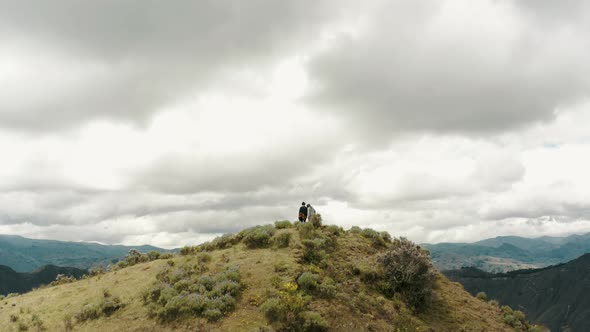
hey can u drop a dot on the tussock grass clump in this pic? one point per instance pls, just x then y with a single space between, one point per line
409 272
183 293
283 224
107 306
334 230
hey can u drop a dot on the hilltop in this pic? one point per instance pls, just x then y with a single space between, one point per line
555 296
269 278
507 253
26 255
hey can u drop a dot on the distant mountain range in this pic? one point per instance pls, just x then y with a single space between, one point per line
556 297
507 253
26 255
15 282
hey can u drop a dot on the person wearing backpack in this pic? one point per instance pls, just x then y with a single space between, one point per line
302 212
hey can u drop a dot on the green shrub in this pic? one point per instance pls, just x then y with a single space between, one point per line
316 220
2 297
61 279
374 236
307 231
281 240
312 321
183 293
186 250
11 295
13 318
334 230
482 296
273 310
494 303
283 224
355 230
308 281
104 308
313 250
386 237
327 288
258 237
409 271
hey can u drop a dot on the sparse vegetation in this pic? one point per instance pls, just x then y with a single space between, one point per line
326 279
62 279
183 292
281 240
409 272
283 224
376 237
258 237
105 307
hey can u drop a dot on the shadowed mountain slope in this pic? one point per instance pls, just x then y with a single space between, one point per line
555 296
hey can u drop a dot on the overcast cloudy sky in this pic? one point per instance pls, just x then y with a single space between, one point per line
170 123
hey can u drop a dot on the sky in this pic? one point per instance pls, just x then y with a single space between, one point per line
170 123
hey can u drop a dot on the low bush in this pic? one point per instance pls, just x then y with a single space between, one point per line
355 230
409 271
307 231
61 279
482 296
104 308
258 237
334 230
11 295
273 310
283 224
183 293
281 240
374 236
316 220
312 321
308 281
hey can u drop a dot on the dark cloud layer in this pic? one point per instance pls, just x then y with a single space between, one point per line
135 57
427 66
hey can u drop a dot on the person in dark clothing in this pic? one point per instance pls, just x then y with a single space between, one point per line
302 212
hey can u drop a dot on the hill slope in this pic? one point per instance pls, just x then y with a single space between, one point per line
507 253
15 282
25 255
264 279
556 297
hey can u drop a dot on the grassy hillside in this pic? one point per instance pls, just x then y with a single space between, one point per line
262 279
26 255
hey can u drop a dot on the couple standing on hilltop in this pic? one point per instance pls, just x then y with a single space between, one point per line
306 212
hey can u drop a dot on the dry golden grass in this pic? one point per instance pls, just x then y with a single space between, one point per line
357 306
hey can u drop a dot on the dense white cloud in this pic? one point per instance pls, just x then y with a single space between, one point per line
437 120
